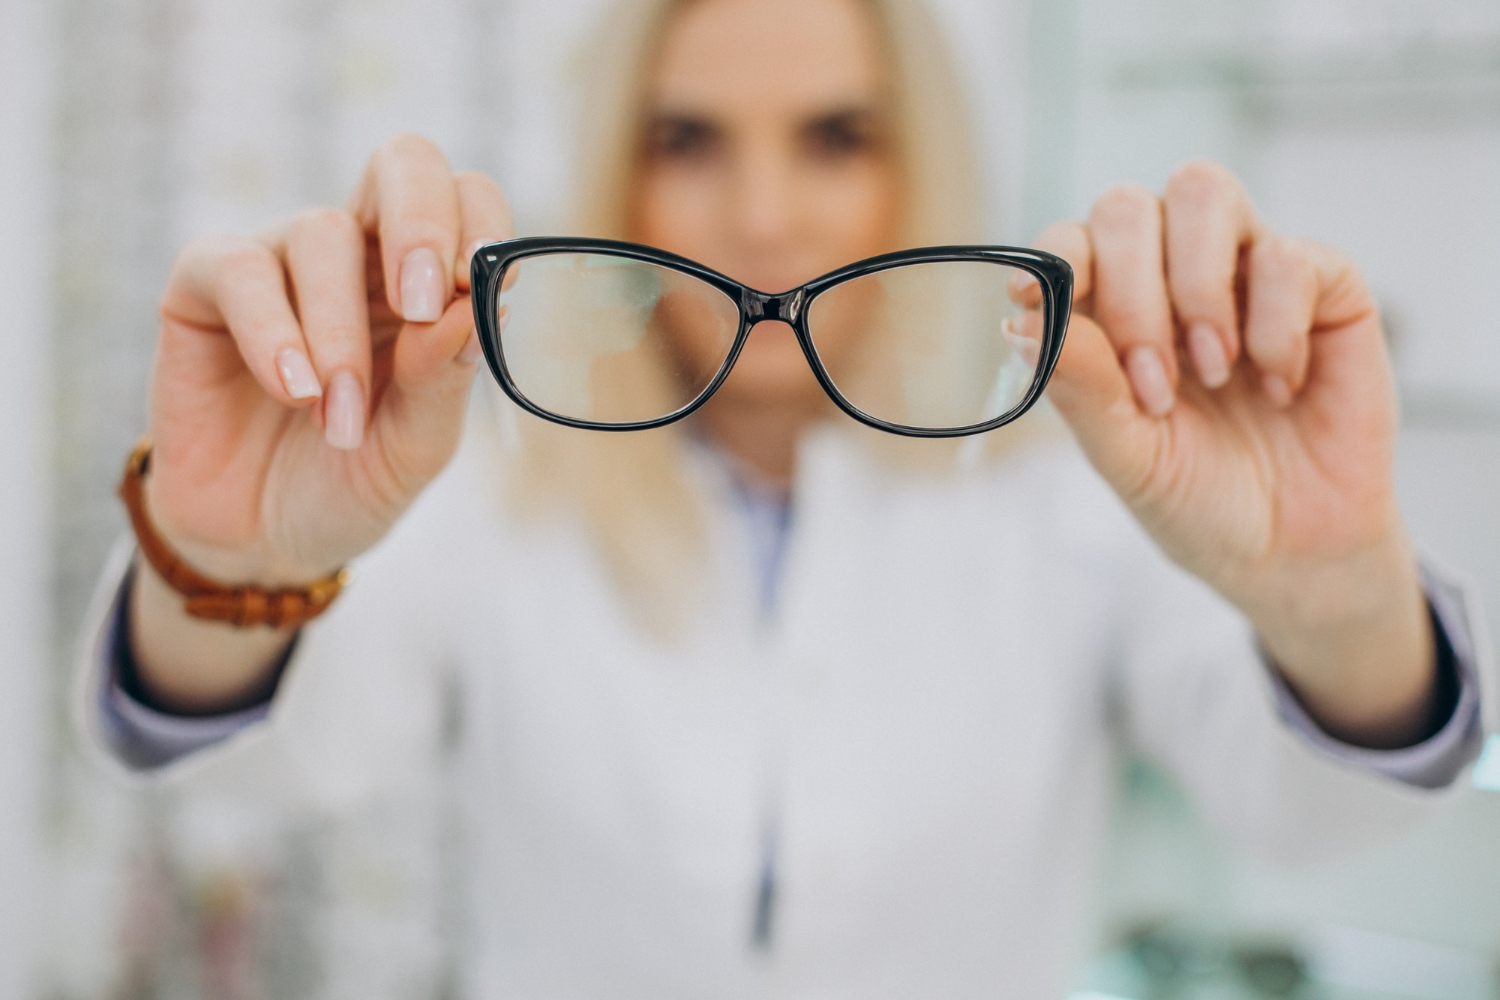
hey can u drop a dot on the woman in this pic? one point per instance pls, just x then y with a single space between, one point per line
758 705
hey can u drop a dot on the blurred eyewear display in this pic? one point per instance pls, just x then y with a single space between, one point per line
930 342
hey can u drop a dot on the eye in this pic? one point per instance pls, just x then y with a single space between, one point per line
843 134
680 137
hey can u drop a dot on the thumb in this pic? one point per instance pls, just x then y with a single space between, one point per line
1090 390
429 357
421 416
1088 386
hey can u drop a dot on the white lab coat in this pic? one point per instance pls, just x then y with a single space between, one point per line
925 725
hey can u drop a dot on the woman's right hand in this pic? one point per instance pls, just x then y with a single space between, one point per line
310 382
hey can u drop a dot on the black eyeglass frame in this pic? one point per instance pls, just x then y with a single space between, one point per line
1053 274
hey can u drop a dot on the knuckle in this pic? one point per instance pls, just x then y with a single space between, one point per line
1200 299
1202 285
1126 205
193 274
408 146
474 180
1070 240
481 191
1200 182
1135 322
237 259
1277 257
1276 346
1273 356
1058 233
323 222
1065 238
200 251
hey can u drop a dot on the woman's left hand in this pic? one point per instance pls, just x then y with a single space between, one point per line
1232 385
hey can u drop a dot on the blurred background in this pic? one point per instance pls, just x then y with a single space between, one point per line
130 126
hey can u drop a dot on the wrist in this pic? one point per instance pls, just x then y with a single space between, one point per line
240 603
250 564
1327 596
1355 642
190 666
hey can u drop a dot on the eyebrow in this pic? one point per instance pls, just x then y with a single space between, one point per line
864 111
673 116
834 109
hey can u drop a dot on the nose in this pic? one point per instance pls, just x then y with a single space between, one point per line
765 198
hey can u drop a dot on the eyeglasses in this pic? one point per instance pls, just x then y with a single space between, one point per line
616 336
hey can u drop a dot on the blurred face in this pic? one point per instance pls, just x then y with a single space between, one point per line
767 157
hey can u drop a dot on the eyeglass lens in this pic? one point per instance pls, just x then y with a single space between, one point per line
611 339
936 344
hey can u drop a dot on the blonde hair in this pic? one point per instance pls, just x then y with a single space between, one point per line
632 490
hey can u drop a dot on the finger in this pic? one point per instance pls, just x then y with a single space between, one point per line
485 219
1070 241
428 354
1348 366
325 257
420 373
1091 391
407 197
1025 333
1209 221
238 285
421 415
1130 292
1282 286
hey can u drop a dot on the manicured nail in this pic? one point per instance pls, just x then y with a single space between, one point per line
1148 376
344 426
1278 390
422 287
1027 348
1207 351
471 352
297 375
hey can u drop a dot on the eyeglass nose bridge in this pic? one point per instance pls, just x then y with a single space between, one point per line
785 308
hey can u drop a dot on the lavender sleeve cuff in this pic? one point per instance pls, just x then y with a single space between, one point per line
140 736
1438 760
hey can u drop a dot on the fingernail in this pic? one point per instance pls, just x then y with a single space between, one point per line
471 352
344 427
1148 376
1027 348
1207 350
297 375
422 286
1278 390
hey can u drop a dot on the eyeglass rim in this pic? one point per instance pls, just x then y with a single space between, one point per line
1052 272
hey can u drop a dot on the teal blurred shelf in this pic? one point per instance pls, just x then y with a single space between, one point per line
1487 770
